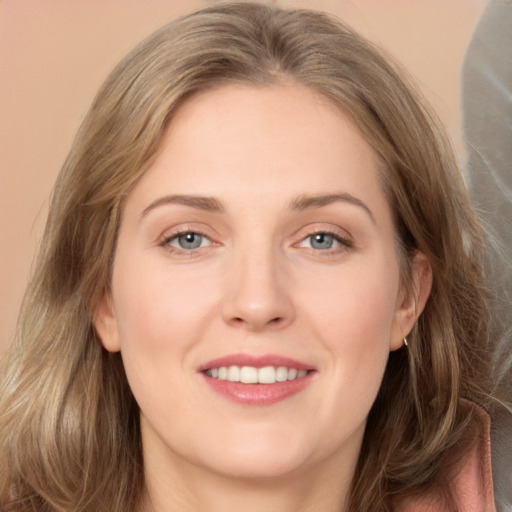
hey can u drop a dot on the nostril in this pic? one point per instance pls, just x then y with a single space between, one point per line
237 320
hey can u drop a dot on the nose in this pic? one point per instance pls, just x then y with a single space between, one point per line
258 296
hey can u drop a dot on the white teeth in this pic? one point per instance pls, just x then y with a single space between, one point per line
252 375
234 374
282 374
267 375
292 374
248 374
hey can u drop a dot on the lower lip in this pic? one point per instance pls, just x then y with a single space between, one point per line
258 394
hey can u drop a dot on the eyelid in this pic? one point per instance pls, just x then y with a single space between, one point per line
346 241
177 236
341 236
164 240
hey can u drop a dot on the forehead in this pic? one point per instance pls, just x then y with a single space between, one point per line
243 142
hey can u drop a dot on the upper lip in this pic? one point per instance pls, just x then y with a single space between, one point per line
255 361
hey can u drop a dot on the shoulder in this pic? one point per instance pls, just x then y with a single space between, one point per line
471 486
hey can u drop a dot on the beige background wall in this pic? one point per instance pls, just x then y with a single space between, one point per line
55 53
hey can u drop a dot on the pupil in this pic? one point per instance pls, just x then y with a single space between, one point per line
190 241
322 241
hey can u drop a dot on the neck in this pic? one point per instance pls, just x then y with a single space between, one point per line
192 489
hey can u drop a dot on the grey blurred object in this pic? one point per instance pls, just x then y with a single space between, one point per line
487 121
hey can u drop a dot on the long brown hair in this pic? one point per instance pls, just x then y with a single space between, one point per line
69 431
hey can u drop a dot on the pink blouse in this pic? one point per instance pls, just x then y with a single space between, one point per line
472 487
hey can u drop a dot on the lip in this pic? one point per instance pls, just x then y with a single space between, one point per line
257 394
256 361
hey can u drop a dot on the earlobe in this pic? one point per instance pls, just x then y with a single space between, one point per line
413 300
105 323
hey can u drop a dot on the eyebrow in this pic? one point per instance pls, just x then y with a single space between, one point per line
209 204
305 202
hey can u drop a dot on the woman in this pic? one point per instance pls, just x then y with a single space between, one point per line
248 294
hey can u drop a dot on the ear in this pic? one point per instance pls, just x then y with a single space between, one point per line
412 300
105 323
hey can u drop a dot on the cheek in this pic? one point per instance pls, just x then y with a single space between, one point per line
354 317
161 316
357 333
355 309
160 309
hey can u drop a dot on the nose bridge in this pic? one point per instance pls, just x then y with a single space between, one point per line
258 297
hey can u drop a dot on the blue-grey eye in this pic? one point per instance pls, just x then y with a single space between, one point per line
189 241
322 241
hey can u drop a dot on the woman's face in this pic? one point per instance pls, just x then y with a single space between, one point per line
258 246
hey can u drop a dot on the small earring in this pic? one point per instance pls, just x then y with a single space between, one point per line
405 342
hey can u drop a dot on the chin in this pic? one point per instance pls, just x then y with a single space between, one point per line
262 458
272 468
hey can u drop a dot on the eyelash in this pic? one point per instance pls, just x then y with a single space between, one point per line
167 239
343 241
347 243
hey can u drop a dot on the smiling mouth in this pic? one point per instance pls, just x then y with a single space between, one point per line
257 380
254 375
